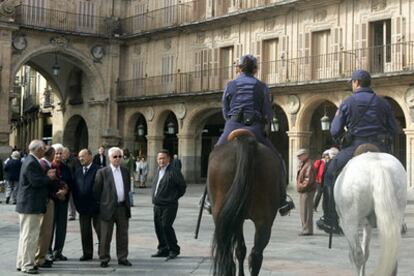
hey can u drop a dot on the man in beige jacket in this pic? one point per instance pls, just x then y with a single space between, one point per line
305 184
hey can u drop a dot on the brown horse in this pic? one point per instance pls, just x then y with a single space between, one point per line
244 182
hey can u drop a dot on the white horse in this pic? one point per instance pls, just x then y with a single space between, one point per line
372 185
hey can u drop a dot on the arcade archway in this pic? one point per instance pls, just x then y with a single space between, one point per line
75 135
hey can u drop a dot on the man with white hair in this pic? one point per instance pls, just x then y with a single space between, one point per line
32 195
111 189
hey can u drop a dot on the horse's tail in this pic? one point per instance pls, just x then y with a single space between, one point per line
230 219
389 220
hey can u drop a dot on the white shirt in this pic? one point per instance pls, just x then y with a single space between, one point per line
160 176
119 183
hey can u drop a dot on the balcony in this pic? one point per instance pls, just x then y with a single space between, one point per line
380 61
62 21
165 17
30 103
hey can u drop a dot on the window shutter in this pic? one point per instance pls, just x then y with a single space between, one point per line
398 38
336 49
283 58
258 54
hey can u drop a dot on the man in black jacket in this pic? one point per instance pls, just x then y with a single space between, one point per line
32 195
167 188
12 168
100 158
85 202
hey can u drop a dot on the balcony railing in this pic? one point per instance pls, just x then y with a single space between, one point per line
30 102
379 60
31 16
165 17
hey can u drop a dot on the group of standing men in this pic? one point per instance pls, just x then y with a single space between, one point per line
101 196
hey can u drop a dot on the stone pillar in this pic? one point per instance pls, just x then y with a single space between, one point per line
297 140
154 145
40 123
190 157
410 157
5 81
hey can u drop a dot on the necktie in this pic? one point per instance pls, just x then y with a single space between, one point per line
85 170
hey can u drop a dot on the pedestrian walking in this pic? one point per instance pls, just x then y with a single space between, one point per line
167 188
12 169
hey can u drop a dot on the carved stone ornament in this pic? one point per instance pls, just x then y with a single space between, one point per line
180 111
319 15
201 37
149 114
8 7
19 42
293 104
409 97
226 32
137 49
59 41
167 44
269 24
377 5
97 52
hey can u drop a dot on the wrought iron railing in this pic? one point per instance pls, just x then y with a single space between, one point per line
38 17
165 17
30 102
379 60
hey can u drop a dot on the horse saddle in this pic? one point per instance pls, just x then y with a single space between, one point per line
239 132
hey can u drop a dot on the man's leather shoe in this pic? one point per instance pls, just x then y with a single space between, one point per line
172 255
104 264
85 258
305 234
46 264
124 262
31 271
160 254
60 257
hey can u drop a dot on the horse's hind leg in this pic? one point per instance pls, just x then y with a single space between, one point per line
356 253
366 238
241 252
261 239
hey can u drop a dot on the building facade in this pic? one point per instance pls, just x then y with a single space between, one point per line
150 74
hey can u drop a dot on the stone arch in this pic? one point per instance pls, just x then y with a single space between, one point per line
135 143
75 134
82 61
304 116
157 123
198 115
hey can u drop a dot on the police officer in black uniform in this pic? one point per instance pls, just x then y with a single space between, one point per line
367 118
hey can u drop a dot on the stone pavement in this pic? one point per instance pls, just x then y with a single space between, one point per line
286 255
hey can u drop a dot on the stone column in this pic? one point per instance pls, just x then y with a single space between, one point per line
190 156
40 123
297 140
154 145
5 81
410 157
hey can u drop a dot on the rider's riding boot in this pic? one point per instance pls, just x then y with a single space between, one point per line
286 206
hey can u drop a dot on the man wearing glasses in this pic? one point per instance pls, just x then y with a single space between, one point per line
112 185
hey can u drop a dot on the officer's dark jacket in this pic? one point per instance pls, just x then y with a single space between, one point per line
378 119
249 95
12 168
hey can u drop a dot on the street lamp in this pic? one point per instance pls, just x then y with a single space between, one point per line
170 128
274 126
141 130
325 122
56 67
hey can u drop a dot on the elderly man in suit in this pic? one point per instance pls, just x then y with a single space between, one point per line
85 202
167 188
32 197
112 185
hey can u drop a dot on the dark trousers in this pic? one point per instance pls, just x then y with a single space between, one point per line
164 217
59 226
86 221
107 227
318 196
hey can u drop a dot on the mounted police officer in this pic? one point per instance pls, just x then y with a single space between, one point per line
246 104
362 118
